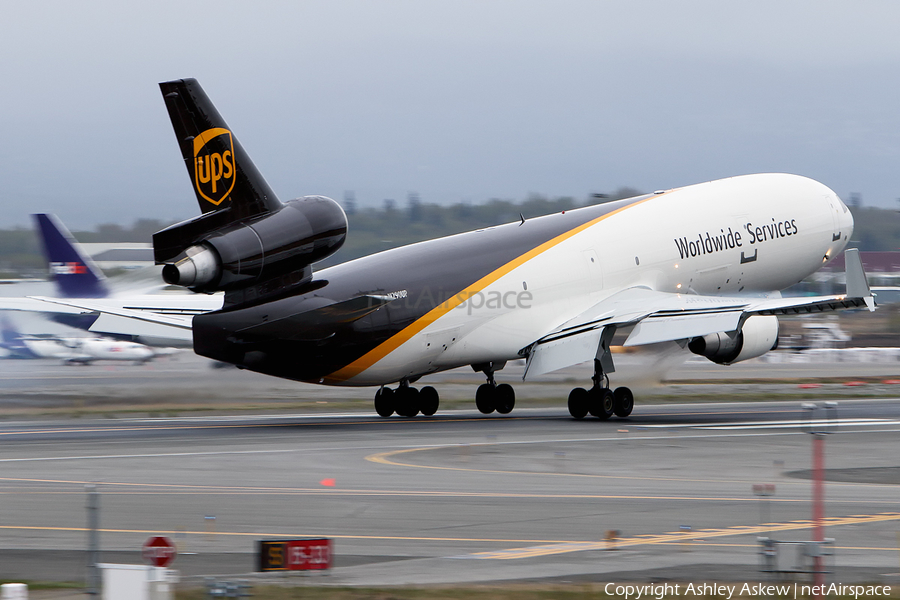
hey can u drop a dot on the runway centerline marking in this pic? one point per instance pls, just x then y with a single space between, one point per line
674 537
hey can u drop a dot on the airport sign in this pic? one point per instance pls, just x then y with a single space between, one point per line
294 555
159 551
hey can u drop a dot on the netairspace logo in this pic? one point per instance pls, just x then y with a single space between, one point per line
466 300
658 591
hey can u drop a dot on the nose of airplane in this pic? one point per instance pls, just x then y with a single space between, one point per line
845 221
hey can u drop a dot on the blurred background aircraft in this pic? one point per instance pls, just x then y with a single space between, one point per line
72 350
83 293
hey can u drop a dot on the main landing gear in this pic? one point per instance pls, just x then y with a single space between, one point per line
406 401
600 401
490 396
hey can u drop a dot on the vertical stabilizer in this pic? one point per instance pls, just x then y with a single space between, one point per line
75 274
222 175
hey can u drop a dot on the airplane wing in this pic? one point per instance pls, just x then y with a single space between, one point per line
664 316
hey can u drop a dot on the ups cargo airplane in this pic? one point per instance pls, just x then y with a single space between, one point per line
700 265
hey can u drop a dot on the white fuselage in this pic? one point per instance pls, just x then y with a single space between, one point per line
85 350
748 235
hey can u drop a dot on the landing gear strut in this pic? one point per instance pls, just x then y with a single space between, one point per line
406 401
490 396
600 401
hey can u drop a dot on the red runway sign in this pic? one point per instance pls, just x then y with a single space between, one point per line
295 555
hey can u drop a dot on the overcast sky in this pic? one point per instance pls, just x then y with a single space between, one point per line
456 100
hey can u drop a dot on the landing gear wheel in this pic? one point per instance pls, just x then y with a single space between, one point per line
578 403
601 402
428 400
384 402
407 401
484 398
504 398
624 402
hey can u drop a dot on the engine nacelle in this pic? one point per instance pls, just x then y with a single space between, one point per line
302 232
758 335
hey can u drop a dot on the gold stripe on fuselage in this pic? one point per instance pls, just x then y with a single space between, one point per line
398 339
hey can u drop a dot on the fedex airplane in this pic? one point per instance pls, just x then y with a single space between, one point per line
87 300
70 350
700 265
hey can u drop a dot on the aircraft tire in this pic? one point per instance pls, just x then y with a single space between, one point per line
624 402
504 398
407 401
578 403
601 402
484 398
384 402
428 400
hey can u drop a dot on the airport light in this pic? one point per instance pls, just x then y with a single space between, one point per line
763 490
819 428
92 576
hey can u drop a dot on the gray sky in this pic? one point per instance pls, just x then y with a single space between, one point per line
456 100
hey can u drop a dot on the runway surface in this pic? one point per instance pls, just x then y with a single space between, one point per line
460 497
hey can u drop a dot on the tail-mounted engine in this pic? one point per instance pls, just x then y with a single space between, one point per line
758 335
242 254
245 242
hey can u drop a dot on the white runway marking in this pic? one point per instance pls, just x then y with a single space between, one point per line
785 424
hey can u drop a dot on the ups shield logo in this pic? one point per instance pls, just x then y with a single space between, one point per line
214 165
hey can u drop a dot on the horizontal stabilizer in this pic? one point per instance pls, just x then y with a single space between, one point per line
169 325
110 324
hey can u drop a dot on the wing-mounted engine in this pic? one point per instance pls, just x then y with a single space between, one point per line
246 242
758 335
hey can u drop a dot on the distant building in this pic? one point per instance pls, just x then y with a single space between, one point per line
882 269
120 255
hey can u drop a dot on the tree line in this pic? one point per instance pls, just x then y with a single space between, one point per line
394 224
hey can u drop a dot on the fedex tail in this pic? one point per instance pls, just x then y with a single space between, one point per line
75 274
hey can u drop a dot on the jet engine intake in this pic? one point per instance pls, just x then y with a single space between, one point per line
757 335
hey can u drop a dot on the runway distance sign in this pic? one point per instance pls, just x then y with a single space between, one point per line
294 555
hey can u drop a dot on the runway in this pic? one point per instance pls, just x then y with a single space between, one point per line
457 498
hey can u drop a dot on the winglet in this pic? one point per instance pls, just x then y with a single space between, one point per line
857 285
